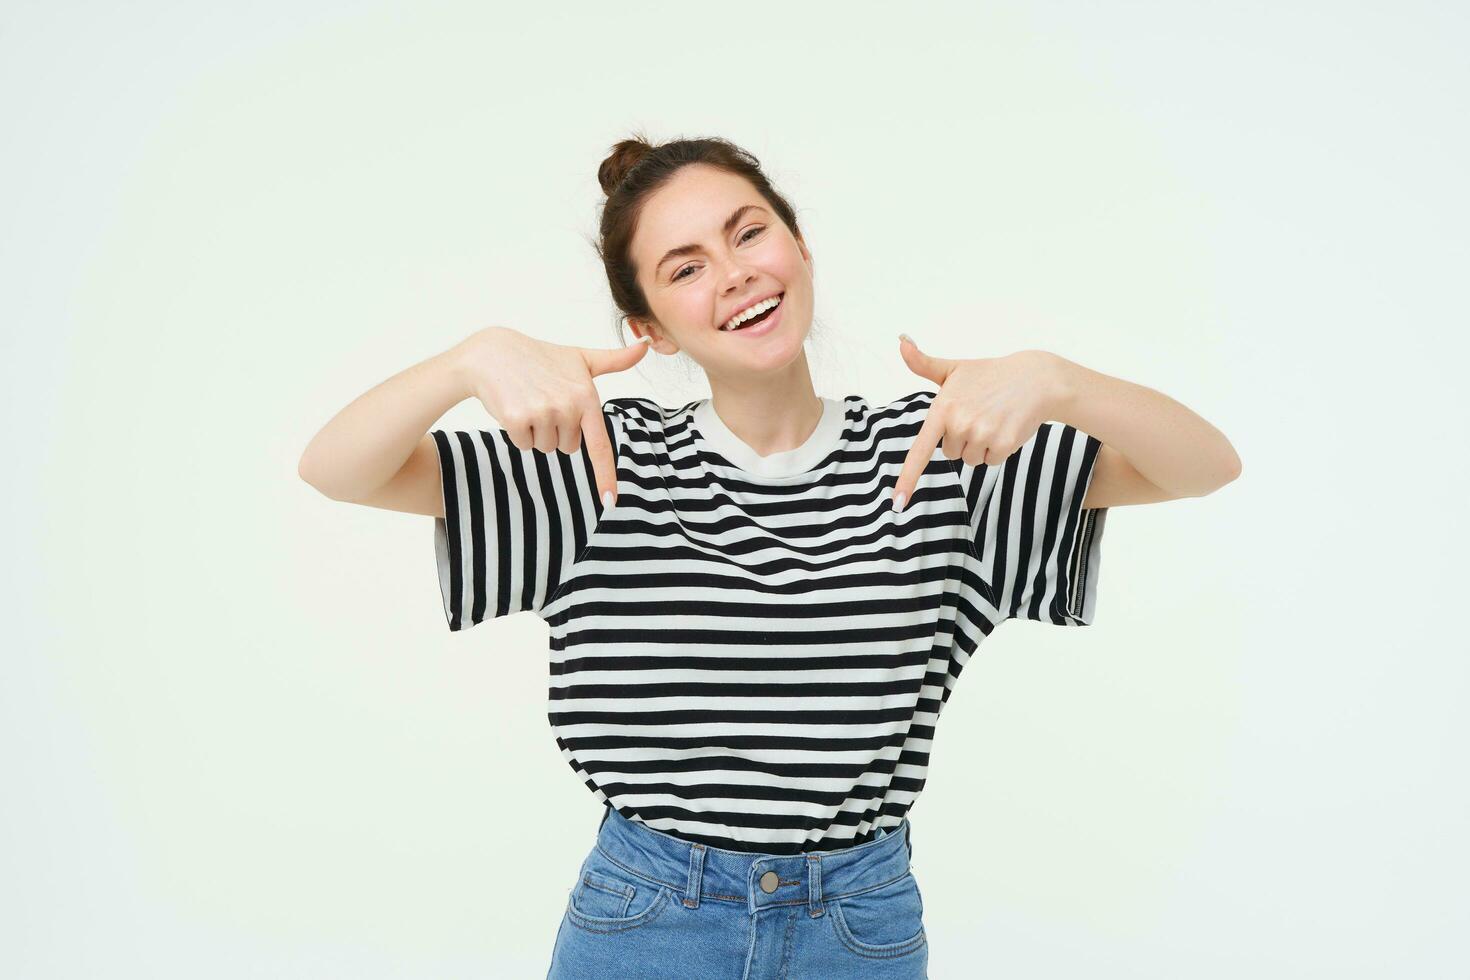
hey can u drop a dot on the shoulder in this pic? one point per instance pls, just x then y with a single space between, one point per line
904 408
639 410
912 400
644 420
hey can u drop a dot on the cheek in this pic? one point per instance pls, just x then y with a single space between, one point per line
695 309
792 270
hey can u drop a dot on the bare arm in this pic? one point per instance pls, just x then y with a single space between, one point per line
377 451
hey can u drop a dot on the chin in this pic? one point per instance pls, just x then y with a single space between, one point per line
778 353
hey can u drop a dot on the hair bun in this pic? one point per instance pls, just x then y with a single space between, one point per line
624 157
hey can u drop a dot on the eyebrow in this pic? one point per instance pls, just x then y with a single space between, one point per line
730 224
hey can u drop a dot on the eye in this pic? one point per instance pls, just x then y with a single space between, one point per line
747 236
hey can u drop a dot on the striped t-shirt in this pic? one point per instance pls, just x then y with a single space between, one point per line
753 652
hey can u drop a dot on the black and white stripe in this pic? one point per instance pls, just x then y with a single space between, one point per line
757 660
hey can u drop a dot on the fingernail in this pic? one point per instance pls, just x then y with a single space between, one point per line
905 336
898 500
645 339
606 499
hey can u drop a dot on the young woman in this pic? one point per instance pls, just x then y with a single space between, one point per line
758 602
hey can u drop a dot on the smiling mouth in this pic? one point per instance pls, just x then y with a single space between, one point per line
780 298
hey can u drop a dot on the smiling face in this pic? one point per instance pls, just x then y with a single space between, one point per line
708 245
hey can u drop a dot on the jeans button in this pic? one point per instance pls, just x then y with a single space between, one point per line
769 881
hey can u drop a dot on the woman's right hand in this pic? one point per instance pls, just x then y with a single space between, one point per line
542 393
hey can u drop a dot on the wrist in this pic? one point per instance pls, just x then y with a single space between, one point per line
1064 382
455 362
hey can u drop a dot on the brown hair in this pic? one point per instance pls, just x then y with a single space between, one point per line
632 172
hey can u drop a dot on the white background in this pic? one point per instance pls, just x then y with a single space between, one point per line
239 740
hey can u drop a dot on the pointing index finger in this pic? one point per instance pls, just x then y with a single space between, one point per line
918 458
600 452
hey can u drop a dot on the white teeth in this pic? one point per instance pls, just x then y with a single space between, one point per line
754 311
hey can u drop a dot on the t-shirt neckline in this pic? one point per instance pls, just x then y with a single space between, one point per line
824 439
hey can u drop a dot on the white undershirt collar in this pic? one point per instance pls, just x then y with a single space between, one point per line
824 438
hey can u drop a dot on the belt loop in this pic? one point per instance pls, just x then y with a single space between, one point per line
814 884
908 838
696 876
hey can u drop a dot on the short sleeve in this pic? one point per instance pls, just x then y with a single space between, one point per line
515 521
1039 549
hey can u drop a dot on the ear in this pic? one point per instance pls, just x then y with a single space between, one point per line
805 252
643 328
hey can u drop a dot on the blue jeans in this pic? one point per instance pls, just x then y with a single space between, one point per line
651 906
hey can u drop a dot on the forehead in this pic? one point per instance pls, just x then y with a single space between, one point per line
690 208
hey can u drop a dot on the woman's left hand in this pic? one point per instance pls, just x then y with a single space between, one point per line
986 408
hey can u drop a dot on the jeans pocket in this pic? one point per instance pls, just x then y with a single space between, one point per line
603 897
884 921
610 898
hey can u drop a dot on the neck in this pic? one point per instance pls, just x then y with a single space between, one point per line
770 413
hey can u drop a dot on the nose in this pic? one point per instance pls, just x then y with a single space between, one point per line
736 274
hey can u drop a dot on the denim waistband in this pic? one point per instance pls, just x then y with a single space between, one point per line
695 871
